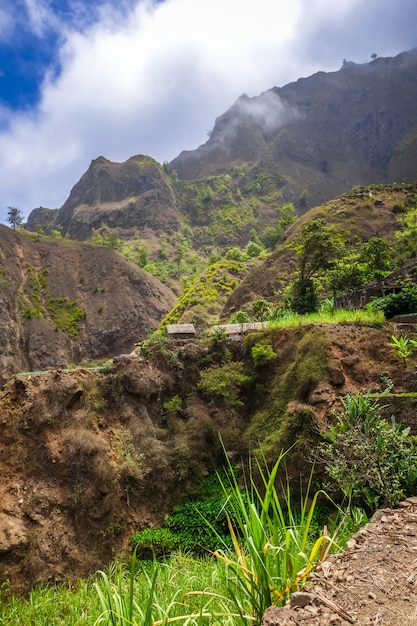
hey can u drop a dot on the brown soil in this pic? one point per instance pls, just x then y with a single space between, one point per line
373 582
118 303
89 457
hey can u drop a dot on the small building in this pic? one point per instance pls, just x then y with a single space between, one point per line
181 331
394 283
236 331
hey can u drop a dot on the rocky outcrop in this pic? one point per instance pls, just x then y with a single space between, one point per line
128 196
41 219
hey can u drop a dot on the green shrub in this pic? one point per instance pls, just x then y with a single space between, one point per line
253 249
142 257
235 254
260 309
154 542
174 405
262 354
240 317
272 236
372 461
224 381
200 526
397 303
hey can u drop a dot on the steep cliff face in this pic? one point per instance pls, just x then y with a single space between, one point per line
402 165
322 134
134 195
64 302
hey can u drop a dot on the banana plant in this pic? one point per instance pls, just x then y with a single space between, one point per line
403 347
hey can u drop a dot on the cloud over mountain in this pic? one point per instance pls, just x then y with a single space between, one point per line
151 77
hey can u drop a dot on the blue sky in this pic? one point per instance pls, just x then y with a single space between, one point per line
84 78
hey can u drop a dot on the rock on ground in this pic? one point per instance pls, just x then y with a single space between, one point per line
374 581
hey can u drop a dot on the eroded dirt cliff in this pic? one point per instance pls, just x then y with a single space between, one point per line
88 457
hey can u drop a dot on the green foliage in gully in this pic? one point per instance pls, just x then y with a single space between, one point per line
301 366
194 527
225 381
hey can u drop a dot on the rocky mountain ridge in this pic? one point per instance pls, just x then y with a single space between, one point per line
305 143
323 134
134 195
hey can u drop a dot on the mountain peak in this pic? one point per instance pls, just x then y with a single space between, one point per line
323 134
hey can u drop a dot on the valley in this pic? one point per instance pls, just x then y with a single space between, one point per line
302 203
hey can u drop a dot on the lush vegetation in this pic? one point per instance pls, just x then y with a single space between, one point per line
204 297
230 220
225 206
328 258
278 317
401 303
333 253
224 559
373 461
272 545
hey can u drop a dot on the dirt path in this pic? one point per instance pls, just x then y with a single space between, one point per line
373 582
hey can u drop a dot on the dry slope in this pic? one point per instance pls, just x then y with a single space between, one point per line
62 302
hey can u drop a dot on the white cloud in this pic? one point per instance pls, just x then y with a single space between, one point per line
41 18
152 81
6 25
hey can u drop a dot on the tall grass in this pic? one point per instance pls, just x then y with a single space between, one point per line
120 606
58 605
273 549
333 316
180 590
273 554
